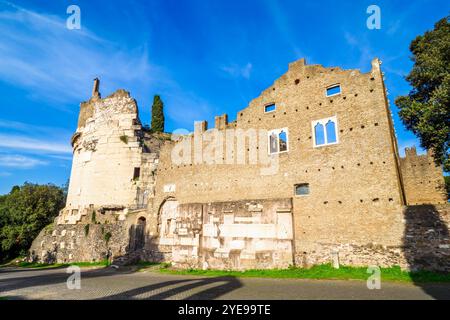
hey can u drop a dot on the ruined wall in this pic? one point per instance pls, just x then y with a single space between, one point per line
202 212
110 168
424 244
243 235
355 194
89 240
238 235
423 180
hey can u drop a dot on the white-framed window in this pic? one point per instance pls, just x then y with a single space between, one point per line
333 90
325 131
278 141
270 108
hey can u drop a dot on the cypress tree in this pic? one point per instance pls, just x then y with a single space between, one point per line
157 114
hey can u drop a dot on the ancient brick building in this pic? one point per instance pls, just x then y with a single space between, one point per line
308 173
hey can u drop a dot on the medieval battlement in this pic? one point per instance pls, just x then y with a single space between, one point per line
303 76
422 178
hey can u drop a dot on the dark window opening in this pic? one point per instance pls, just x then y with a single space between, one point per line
302 189
141 220
136 173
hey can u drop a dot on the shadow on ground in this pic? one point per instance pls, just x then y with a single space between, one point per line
216 287
425 243
190 289
45 277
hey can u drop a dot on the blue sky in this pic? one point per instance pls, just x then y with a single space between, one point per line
204 57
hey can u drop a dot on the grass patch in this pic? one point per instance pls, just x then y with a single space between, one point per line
107 236
325 271
3 298
9 262
33 265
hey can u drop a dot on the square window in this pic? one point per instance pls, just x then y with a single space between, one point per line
302 189
333 90
270 108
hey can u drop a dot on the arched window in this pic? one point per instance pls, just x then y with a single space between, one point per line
168 213
331 131
325 131
278 140
283 140
273 143
319 134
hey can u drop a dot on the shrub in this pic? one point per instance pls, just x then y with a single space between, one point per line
24 212
124 139
107 236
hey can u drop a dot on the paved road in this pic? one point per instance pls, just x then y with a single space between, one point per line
127 284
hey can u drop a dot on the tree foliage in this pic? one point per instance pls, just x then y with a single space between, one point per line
447 185
157 114
23 213
426 109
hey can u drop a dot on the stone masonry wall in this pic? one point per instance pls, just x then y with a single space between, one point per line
422 179
247 234
424 244
96 237
355 191
65 243
111 166
202 213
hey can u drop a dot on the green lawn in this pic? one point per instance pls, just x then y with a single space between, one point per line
325 271
59 265
319 272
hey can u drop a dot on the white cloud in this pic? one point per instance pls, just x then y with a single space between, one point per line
57 65
34 129
284 27
58 157
235 70
31 144
366 53
20 162
39 53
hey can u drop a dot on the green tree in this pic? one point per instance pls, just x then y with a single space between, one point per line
426 109
157 114
447 185
23 213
